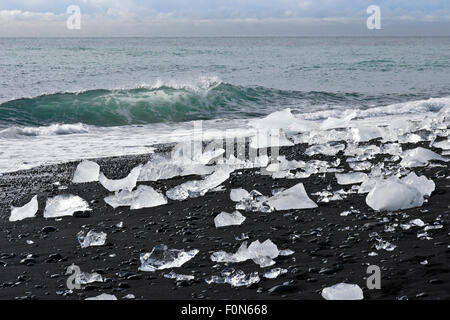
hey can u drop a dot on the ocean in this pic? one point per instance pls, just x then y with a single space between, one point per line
65 99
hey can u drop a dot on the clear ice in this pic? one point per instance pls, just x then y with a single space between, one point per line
225 219
343 291
162 257
142 197
86 171
64 205
91 238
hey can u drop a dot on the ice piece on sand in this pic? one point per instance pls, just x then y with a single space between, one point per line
27 211
198 188
64 205
392 194
424 185
350 178
87 171
127 183
91 238
238 195
328 149
343 291
103 296
384 245
274 273
444 144
178 277
86 278
162 257
142 197
225 219
235 278
272 138
419 157
292 198
261 253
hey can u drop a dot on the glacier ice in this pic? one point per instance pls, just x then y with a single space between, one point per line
64 205
292 198
328 149
235 278
261 253
237 195
267 139
225 219
343 291
274 273
161 257
86 278
392 194
384 245
422 184
91 238
127 183
178 277
27 211
444 144
142 197
198 188
350 178
103 296
86 171
420 157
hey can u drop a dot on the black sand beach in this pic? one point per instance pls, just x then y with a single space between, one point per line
329 248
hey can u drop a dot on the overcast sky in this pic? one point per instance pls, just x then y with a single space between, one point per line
223 17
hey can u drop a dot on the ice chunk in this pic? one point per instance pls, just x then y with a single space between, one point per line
254 202
162 257
393 194
366 133
384 245
91 238
103 296
422 184
27 211
198 188
274 273
293 198
235 278
127 183
419 157
350 178
238 195
142 197
64 205
343 291
86 278
266 139
417 222
335 123
261 253
178 277
328 149
225 219
444 144
87 171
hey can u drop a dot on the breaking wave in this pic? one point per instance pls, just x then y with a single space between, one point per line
54 129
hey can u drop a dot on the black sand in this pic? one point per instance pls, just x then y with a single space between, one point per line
328 248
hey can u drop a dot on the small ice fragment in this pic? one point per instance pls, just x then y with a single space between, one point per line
234 278
261 253
325 149
142 197
127 183
444 145
419 157
292 198
417 222
119 225
424 262
274 273
30 242
225 219
286 252
198 188
372 254
27 211
350 178
422 184
343 291
162 257
393 194
91 239
86 278
129 296
87 171
384 245
65 205
178 277
103 296
238 195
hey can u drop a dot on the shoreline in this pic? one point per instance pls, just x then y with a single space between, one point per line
329 248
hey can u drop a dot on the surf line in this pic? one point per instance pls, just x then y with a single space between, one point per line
193 310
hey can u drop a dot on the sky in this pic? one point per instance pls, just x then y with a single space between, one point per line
48 18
